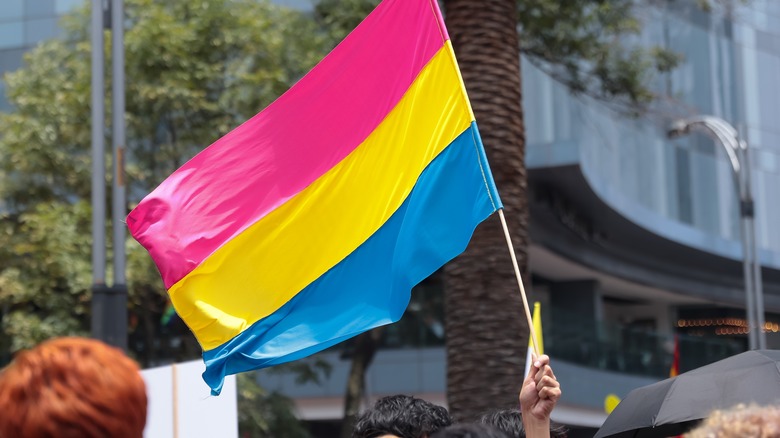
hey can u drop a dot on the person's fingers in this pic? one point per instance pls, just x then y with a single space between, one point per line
528 389
547 381
548 371
544 371
550 393
548 387
530 379
541 361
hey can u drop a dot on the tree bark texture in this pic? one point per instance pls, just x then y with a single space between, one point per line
487 334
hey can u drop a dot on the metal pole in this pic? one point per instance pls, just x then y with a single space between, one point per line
725 135
758 287
746 267
119 209
749 213
98 174
746 225
746 221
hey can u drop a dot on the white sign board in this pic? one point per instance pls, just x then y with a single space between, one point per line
180 404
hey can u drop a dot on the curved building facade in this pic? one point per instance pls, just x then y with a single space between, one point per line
613 195
637 237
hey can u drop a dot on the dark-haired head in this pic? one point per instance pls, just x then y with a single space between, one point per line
510 421
403 416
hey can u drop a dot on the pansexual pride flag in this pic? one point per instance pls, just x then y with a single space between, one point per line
311 222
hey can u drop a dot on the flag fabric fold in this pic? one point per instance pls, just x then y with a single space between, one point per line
311 222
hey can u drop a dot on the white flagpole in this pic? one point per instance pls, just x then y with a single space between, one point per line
519 281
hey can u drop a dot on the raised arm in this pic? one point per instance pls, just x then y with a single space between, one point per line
538 396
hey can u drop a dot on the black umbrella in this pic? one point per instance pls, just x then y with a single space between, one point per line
672 406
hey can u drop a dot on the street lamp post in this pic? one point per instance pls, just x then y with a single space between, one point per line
98 175
737 151
109 303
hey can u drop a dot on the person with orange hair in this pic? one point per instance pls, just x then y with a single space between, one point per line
72 387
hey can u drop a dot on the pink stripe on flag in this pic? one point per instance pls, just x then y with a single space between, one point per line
436 11
280 151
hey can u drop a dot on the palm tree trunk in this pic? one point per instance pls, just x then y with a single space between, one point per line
486 329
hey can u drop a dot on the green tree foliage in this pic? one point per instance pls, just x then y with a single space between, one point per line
194 70
586 45
263 413
45 279
339 17
44 181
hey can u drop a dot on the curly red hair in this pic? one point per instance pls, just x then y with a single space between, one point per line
72 387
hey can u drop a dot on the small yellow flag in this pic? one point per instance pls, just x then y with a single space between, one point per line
610 403
537 320
537 328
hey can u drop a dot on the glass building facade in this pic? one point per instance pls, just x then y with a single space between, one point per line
23 24
671 195
683 189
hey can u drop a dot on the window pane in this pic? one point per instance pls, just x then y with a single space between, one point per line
40 30
65 6
38 8
11 10
11 35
